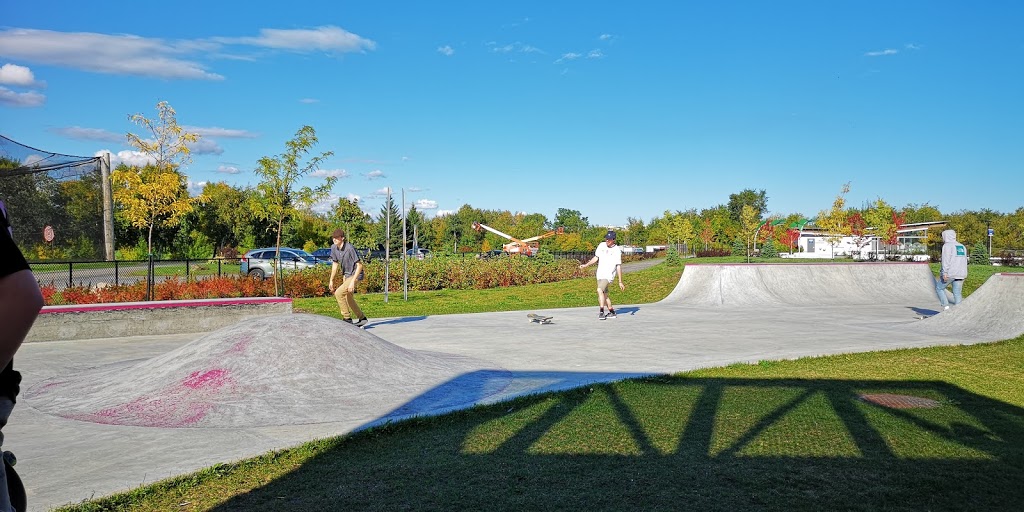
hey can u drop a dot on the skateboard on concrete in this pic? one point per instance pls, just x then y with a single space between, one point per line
15 487
539 319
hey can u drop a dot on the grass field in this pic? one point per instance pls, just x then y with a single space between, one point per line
787 435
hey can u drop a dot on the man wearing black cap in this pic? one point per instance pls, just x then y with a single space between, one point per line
608 257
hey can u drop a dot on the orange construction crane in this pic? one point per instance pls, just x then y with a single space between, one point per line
526 246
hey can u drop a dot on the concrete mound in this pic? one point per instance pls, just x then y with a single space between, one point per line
995 311
799 284
269 371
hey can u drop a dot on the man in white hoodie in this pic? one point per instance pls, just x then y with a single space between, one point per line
953 269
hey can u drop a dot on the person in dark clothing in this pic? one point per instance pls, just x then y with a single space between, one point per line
345 257
20 302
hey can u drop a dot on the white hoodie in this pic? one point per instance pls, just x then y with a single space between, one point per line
954 257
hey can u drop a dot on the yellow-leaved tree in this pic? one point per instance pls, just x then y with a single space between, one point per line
278 194
156 194
833 222
750 220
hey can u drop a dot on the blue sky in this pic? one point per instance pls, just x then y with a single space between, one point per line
615 109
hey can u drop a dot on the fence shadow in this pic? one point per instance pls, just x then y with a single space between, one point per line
672 443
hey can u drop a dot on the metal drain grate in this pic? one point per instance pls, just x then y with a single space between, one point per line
900 401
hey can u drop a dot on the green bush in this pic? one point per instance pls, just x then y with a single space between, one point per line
739 248
768 250
672 257
979 254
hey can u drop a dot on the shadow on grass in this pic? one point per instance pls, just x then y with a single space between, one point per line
673 443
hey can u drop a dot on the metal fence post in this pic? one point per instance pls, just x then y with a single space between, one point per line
117 280
149 279
71 280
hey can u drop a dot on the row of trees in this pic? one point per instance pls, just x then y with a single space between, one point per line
154 213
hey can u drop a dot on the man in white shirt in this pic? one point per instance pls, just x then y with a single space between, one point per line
608 257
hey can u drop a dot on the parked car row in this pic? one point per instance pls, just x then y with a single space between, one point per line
260 263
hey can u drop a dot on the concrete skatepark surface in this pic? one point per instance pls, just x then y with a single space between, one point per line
106 415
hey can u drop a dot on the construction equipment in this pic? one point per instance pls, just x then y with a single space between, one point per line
526 246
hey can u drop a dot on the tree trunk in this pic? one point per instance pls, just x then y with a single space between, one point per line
278 282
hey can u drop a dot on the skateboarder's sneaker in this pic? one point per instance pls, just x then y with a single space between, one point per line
611 314
361 322
601 315
349 320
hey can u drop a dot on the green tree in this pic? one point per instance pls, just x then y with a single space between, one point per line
636 231
390 210
225 216
756 199
750 220
833 222
414 227
979 254
277 196
880 217
357 224
572 220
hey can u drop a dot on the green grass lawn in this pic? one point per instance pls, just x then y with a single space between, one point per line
786 435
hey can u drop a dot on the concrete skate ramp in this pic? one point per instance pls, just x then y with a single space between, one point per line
995 311
276 370
798 284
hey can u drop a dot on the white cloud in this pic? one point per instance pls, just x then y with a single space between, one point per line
80 133
334 173
326 205
195 187
606 37
381 192
309 101
21 99
912 46
567 57
206 147
446 50
515 47
354 198
222 133
879 53
414 189
13 74
327 38
130 158
228 169
377 174
426 204
32 159
595 54
103 53
442 213
126 54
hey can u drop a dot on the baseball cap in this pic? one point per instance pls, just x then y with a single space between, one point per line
610 235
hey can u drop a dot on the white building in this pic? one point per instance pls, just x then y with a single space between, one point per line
910 243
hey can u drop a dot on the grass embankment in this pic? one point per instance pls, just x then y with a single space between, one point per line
788 435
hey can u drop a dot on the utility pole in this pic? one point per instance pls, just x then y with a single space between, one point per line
387 247
405 254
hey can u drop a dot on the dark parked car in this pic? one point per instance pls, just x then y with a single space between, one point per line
323 255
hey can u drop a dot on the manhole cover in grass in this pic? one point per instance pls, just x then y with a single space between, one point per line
899 401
